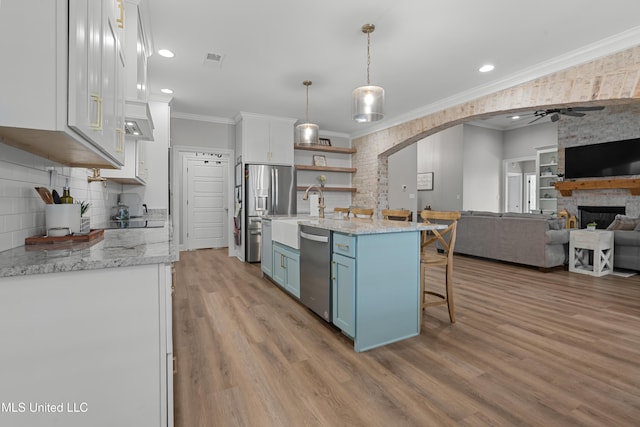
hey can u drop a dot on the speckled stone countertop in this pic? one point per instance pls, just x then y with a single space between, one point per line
356 226
118 248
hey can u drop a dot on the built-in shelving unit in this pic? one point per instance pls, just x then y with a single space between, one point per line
547 170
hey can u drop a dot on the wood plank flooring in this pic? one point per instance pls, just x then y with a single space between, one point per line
528 349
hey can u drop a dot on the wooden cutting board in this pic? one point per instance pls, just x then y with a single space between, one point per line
39 240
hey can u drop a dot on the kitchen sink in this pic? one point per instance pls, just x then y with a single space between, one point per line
285 231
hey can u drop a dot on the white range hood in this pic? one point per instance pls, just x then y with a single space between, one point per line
137 120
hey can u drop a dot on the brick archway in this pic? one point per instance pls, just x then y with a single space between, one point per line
610 80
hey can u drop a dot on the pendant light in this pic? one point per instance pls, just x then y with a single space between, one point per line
307 133
368 101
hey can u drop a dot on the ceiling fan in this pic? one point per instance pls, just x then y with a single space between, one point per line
555 113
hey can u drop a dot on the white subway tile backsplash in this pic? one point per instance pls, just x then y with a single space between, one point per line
5 241
22 209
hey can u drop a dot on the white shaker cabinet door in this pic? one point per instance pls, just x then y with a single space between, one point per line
96 75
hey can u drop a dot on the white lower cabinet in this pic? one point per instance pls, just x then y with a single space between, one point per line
87 348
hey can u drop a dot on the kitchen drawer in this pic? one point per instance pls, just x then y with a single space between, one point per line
344 245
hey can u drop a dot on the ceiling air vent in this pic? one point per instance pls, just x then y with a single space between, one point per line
213 59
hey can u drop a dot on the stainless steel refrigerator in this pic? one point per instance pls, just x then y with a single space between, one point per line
269 190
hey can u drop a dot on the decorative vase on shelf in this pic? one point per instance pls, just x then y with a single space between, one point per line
591 227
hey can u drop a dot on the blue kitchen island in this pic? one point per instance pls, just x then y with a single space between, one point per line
375 278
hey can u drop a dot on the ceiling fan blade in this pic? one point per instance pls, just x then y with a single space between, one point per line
586 108
572 113
537 118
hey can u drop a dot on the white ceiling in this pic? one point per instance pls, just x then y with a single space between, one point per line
425 53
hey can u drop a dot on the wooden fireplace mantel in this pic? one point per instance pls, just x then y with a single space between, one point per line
632 184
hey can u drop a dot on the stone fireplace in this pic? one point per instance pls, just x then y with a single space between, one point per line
611 124
602 215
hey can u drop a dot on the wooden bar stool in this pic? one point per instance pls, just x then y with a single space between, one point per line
364 212
341 213
397 214
429 257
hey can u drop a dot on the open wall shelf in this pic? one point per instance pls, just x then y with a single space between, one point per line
325 148
333 189
325 169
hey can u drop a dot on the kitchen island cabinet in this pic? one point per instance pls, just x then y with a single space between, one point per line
375 277
89 327
266 249
376 290
286 268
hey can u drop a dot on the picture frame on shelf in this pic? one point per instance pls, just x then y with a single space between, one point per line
324 141
425 181
319 160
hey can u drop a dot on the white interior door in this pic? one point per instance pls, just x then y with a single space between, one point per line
206 209
530 192
514 192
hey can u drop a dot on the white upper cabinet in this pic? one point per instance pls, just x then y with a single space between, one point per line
265 139
62 90
134 171
96 73
138 121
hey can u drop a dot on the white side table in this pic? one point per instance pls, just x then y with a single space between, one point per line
582 243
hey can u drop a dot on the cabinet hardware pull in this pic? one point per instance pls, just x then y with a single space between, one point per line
173 291
97 99
119 140
175 365
120 20
342 246
282 261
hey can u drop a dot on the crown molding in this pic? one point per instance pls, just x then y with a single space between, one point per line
610 45
202 118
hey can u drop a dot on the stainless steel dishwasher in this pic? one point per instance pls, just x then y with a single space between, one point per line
315 270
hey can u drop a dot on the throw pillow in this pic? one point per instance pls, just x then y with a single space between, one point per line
623 222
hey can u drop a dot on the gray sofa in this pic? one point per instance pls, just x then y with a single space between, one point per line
531 239
626 249
626 242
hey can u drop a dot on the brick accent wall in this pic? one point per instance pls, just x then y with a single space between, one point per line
611 80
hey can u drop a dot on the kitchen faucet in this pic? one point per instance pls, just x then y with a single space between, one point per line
320 200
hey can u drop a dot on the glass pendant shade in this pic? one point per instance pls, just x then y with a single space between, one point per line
307 133
368 101
368 104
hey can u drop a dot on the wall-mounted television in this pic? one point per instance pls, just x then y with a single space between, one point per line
617 158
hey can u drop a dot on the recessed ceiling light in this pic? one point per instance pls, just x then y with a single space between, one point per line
169 91
166 53
486 68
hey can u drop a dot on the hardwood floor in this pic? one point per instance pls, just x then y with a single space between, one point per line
528 348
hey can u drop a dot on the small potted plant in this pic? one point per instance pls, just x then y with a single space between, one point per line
560 176
592 226
322 179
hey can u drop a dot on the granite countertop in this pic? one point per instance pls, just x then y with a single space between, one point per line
118 248
358 226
